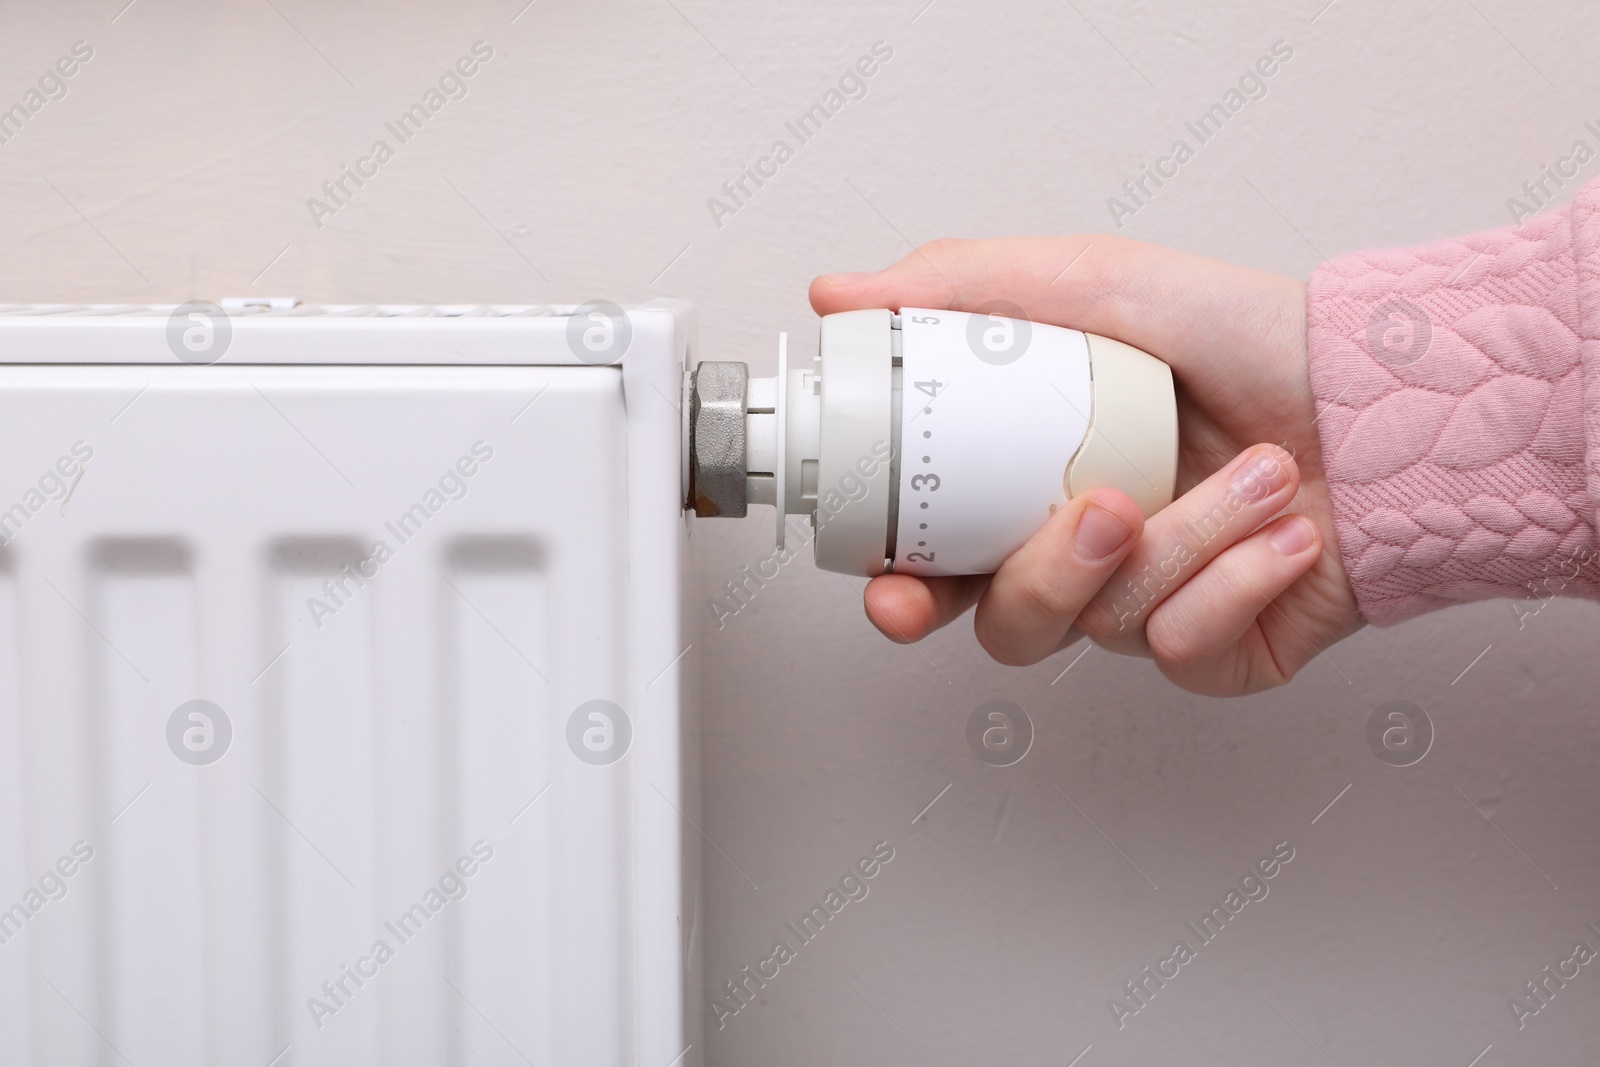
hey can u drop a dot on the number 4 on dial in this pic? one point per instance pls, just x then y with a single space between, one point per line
930 387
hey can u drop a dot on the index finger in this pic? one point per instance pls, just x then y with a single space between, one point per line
1141 294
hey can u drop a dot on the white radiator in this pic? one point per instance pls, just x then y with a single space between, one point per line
421 568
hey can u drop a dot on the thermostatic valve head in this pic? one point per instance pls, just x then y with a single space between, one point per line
932 442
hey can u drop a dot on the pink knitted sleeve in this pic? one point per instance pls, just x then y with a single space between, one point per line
1458 391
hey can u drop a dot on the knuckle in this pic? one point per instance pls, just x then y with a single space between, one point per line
1045 596
1262 683
1116 617
1115 250
1103 626
1175 640
1118 272
945 256
942 249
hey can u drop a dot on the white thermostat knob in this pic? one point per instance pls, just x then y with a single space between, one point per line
933 442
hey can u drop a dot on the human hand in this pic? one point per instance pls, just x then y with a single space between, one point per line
1234 586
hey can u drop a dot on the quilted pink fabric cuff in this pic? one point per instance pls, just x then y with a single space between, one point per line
1459 413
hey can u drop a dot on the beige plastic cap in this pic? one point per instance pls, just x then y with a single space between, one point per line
1132 443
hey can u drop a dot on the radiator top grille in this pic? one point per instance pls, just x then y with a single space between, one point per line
298 310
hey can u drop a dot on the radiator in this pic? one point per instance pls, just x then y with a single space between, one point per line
344 687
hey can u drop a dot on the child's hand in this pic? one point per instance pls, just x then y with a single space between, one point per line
1234 586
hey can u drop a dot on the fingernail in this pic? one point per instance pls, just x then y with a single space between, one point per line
1293 537
1100 533
1260 476
848 278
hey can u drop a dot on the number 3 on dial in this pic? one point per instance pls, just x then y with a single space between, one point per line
925 481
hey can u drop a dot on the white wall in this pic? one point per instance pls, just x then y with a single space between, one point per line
591 142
